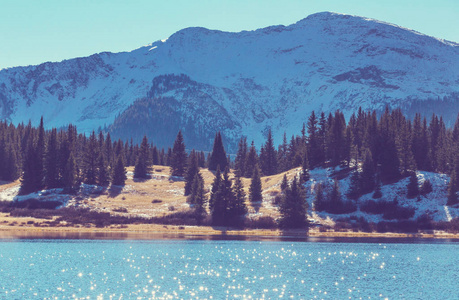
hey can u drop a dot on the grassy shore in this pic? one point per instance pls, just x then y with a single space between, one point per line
157 231
162 196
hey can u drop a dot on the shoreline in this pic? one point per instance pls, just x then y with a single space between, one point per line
171 232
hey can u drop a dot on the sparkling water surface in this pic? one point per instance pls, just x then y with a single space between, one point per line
206 269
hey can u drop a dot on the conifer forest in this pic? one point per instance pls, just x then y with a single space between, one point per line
375 150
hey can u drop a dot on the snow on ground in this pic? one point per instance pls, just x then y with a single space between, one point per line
432 204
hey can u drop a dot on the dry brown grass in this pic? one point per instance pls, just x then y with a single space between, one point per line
160 195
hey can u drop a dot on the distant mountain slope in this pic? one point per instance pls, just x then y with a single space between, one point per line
240 83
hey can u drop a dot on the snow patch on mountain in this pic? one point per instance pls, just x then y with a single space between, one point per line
270 78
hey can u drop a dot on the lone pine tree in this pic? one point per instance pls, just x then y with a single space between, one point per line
218 155
142 165
179 157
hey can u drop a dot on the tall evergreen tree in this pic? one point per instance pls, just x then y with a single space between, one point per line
305 168
269 157
31 176
91 155
337 139
284 183
40 152
215 190
223 198
354 191
191 172
51 162
251 161
198 197
142 165
453 186
241 157
377 194
11 169
218 155
412 187
313 140
404 147
70 176
119 172
293 207
103 177
179 157
319 199
237 207
255 186
367 178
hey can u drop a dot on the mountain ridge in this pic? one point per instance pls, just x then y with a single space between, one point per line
269 78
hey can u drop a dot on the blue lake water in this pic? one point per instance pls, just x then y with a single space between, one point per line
212 269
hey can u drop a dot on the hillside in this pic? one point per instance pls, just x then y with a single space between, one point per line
162 196
244 83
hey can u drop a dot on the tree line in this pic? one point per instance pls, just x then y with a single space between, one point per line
378 150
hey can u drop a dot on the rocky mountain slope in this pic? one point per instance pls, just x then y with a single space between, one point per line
243 83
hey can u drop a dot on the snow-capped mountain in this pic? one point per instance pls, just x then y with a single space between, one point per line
243 83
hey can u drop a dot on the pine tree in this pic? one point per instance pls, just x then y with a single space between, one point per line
241 157
282 162
195 184
453 186
12 171
218 155
305 168
215 190
51 162
377 194
191 172
119 172
91 155
337 139
452 191
412 187
251 162
269 158
335 200
255 186
30 176
70 174
389 160
313 140
367 178
293 207
237 207
284 184
142 165
354 187
319 204
40 152
179 157
223 198
102 171
426 187
198 197
404 149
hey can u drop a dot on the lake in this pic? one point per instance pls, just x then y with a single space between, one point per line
219 269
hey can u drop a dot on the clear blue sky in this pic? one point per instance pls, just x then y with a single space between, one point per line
35 31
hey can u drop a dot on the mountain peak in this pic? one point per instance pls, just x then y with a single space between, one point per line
270 78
